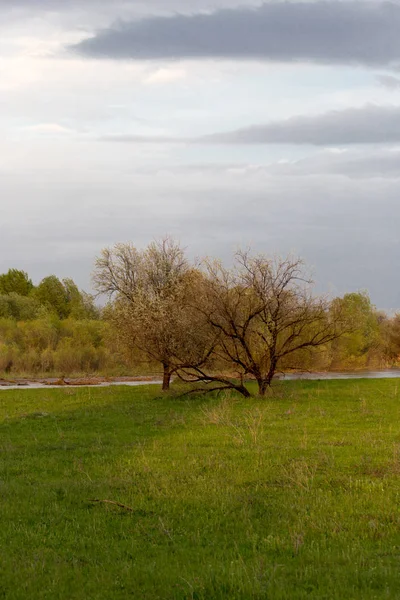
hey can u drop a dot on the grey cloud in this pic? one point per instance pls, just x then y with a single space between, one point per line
389 82
375 163
145 139
367 125
356 164
365 33
152 5
119 8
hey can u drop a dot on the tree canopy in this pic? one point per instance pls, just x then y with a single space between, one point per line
15 282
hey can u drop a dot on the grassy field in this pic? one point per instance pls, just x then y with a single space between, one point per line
293 497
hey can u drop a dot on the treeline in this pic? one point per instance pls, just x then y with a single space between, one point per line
52 328
197 322
22 301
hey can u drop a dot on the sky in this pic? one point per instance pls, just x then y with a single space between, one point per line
224 123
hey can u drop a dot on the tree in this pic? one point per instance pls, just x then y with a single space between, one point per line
15 282
80 304
153 298
389 338
264 314
361 331
20 308
51 293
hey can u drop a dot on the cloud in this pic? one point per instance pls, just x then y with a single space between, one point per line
365 33
375 163
389 82
368 125
166 75
98 13
151 5
48 129
144 139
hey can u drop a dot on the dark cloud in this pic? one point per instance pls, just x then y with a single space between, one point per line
368 125
365 33
152 5
120 8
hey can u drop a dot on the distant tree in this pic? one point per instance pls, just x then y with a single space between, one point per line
153 294
51 293
264 314
20 308
389 338
15 282
80 304
362 330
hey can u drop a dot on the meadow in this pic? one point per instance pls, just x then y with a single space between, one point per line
291 497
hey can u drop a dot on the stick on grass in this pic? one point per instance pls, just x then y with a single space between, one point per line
114 503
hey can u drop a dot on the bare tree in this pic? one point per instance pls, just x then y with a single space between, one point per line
153 302
264 314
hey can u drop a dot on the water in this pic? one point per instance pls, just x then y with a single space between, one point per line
387 374
33 385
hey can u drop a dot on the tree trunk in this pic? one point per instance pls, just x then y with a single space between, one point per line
266 382
242 389
166 378
262 388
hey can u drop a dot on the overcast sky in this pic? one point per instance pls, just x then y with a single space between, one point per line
224 123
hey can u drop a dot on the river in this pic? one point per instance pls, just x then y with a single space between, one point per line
386 374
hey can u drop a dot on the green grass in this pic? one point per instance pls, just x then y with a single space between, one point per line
292 497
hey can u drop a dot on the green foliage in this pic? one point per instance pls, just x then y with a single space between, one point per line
65 299
15 282
80 304
294 497
355 348
55 329
49 345
51 293
20 308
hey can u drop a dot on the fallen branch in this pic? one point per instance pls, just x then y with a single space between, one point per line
205 390
114 503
